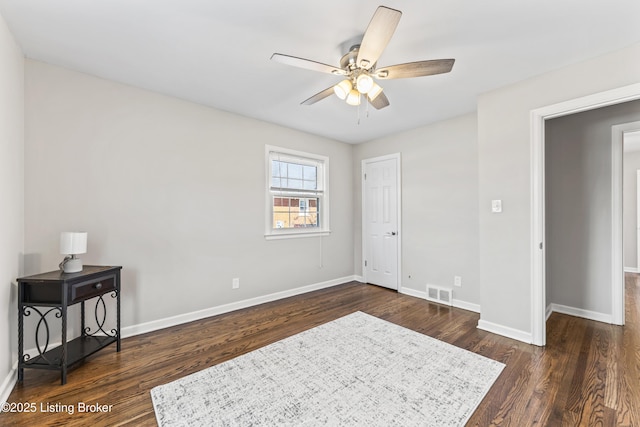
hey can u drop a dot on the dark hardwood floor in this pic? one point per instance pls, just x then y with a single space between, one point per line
587 375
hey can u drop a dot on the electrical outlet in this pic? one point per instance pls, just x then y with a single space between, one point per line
457 281
235 283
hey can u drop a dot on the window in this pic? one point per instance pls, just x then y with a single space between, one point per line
296 193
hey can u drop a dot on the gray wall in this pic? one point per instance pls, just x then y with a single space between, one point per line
172 191
157 174
11 195
578 206
439 204
629 202
504 153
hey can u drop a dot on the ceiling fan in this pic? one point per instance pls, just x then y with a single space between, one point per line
359 65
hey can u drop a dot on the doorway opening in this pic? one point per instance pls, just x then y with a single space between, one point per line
631 201
538 250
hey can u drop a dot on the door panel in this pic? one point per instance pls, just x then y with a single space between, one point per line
380 220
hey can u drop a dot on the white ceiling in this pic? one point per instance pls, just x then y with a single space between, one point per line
217 53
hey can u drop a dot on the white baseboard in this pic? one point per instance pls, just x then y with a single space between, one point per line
579 312
469 306
455 302
505 331
359 279
7 385
631 270
549 311
167 322
412 292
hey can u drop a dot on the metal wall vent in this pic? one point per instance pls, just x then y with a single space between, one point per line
439 294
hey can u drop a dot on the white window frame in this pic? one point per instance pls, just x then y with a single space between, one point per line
294 156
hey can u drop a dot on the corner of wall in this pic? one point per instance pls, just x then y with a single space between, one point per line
12 193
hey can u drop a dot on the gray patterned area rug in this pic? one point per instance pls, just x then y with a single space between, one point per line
354 371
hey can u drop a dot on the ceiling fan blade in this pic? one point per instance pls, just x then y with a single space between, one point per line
379 101
377 36
415 69
307 64
319 96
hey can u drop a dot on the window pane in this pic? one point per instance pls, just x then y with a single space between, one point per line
310 173
294 183
293 212
293 176
294 171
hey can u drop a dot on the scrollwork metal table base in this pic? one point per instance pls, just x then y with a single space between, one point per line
47 297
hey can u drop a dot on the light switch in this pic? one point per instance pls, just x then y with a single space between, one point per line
496 206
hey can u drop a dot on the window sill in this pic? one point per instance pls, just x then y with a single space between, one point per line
298 235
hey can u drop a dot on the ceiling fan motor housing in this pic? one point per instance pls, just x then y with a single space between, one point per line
349 61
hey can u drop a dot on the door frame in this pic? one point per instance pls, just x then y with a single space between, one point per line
617 190
538 250
638 221
397 158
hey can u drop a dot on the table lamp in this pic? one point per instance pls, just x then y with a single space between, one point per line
72 243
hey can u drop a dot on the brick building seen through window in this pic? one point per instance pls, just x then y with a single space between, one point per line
295 212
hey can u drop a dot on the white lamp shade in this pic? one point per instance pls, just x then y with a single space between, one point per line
353 98
73 242
364 83
342 89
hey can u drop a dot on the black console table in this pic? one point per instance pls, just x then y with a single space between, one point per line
52 293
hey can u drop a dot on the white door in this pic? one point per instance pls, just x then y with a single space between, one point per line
380 219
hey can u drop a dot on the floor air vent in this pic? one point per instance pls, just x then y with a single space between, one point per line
438 294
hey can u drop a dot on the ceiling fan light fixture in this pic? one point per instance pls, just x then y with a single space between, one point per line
364 83
359 66
343 88
374 91
353 98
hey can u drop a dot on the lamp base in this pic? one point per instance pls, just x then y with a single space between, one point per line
71 265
